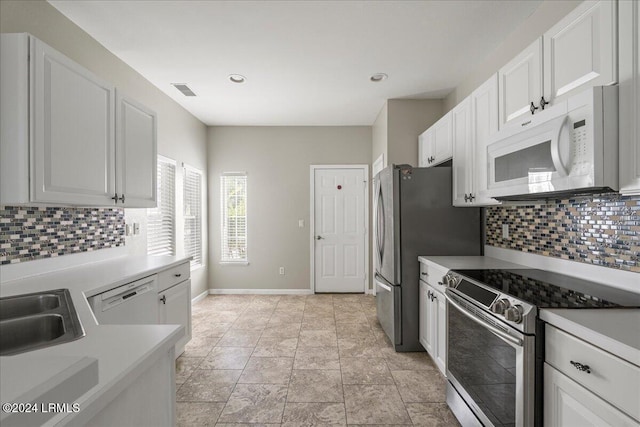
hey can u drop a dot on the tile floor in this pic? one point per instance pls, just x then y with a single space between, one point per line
302 361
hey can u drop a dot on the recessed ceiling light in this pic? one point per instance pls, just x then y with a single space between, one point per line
378 77
237 78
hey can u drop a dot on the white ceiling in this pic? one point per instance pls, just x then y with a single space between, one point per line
306 62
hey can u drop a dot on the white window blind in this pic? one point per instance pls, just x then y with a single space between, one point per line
193 215
233 194
161 219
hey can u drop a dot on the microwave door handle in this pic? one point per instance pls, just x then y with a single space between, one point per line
500 334
561 141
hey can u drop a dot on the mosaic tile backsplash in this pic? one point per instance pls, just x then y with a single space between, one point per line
602 230
30 233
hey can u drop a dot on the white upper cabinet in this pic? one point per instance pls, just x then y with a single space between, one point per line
136 155
462 153
73 131
520 83
474 120
629 97
580 50
59 141
435 144
484 121
576 53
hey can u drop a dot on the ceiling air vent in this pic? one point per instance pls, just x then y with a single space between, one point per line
183 88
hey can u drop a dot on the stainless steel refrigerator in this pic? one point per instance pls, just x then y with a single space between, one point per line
413 217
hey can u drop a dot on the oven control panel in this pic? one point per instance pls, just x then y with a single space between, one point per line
503 306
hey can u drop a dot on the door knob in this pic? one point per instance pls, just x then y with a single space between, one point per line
319 237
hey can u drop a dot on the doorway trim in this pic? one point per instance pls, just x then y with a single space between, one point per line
312 221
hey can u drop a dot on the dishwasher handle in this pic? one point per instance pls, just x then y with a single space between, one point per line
128 294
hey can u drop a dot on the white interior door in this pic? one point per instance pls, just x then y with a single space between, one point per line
339 230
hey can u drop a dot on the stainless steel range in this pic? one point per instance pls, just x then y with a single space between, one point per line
495 339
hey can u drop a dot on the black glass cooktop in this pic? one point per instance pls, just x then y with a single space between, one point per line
552 290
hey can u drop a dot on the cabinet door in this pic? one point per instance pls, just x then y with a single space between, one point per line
432 323
440 305
568 404
136 155
73 132
580 50
424 317
425 148
520 83
14 118
484 123
175 309
442 140
463 161
629 97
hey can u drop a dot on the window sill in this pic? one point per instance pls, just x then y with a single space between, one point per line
238 263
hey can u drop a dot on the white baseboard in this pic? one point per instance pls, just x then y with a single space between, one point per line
200 297
260 291
615 278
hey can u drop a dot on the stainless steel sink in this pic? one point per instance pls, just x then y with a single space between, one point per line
27 304
32 321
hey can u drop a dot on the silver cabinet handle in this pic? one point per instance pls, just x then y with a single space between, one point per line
581 367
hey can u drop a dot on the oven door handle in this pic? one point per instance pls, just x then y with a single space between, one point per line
503 335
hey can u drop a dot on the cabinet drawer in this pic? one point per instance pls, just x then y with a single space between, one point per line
172 276
433 274
610 377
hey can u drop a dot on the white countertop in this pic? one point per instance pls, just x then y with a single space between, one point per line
469 262
122 351
616 331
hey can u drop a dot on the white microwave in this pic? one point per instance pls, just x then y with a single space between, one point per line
570 148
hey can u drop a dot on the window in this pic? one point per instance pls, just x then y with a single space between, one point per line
233 195
193 215
161 219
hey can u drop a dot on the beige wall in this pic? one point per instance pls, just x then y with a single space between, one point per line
396 129
277 161
408 118
379 135
181 136
549 12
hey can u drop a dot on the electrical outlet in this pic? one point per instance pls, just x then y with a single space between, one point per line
505 231
282 271
301 223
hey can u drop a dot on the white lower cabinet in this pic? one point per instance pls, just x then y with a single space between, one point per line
426 337
149 400
568 404
174 300
433 324
587 386
175 309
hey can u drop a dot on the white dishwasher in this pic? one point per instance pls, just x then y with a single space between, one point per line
135 303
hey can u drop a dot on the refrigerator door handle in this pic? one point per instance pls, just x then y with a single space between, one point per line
382 285
380 224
